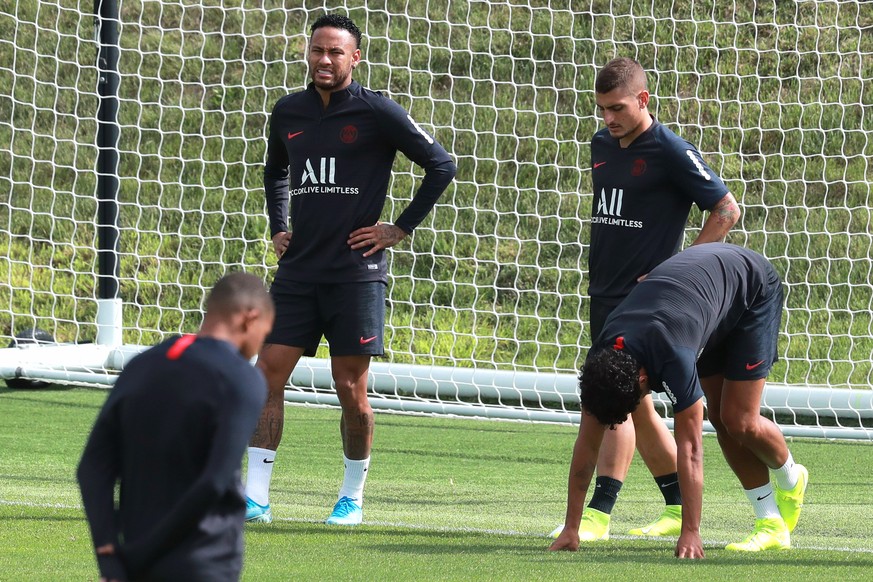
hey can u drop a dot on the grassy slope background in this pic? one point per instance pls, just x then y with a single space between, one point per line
775 94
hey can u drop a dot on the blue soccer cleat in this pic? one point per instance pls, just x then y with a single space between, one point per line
346 512
258 513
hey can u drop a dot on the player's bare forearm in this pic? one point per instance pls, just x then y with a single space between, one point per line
582 468
381 235
722 218
689 445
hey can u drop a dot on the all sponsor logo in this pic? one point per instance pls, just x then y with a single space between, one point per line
319 177
326 174
609 210
610 204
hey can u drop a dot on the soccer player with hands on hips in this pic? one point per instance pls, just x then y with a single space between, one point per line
330 151
645 179
172 434
704 323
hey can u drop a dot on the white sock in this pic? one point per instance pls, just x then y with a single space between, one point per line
353 481
787 474
259 474
763 501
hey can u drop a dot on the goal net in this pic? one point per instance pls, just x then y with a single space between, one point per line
488 307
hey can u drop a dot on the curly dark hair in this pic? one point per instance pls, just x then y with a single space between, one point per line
338 21
609 386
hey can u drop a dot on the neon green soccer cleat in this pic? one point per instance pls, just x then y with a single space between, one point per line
593 526
669 523
769 534
790 501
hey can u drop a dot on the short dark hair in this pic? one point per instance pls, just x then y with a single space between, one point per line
619 72
609 386
338 21
237 292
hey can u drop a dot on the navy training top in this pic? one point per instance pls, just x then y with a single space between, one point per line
688 303
173 431
334 165
642 196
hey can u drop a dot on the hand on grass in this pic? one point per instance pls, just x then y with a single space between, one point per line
689 546
567 541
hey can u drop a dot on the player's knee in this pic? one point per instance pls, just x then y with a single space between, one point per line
276 372
353 397
741 428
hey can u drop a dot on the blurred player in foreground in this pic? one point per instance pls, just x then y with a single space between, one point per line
703 323
329 155
172 433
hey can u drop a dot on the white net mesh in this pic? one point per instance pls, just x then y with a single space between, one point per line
776 95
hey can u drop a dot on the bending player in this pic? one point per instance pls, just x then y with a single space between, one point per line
704 322
330 150
645 180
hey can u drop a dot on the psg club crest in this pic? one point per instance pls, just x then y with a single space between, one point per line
349 134
639 167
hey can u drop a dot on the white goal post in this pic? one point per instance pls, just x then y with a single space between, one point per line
121 205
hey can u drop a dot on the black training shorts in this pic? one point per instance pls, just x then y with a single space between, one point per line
750 349
350 315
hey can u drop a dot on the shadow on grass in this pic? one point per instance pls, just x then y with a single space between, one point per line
13 513
470 456
478 427
29 395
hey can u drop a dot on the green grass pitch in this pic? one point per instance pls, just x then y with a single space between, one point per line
446 499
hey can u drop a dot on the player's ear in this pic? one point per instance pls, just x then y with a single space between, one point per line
248 318
643 99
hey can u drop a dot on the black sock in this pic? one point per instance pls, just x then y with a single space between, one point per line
669 486
605 493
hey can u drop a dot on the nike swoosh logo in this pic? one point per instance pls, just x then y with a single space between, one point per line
753 366
293 135
598 164
765 497
367 340
665 485
267 461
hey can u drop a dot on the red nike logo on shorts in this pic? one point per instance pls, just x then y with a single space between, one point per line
598 164
293 135
367 340
753 366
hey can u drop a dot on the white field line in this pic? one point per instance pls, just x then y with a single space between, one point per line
465 530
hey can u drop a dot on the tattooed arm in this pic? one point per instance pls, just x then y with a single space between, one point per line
723 216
